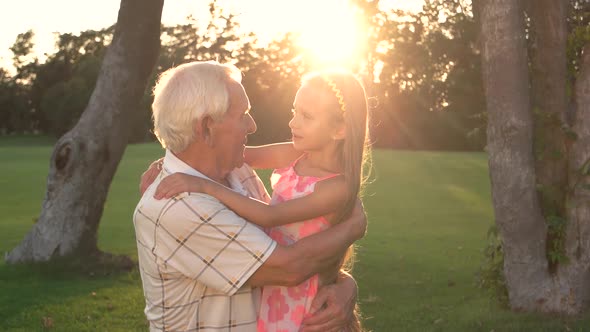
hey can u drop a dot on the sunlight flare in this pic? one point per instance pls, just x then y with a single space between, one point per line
333 34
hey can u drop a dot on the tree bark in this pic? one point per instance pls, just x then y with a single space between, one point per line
510 149
85 159
573 278
549 75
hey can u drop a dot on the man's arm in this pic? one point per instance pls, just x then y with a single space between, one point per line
289 266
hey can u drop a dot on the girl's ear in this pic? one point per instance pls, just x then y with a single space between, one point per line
340 133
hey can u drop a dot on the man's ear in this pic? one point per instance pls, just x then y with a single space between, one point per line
204 129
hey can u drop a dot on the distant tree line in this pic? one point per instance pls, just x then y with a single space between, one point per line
422 68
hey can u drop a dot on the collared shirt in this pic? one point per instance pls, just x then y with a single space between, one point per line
195 256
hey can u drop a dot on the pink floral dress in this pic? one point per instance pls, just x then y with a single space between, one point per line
283 308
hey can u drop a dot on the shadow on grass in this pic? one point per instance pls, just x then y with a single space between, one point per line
41 285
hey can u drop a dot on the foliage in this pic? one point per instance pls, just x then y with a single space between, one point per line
578 36
424 69
428 89
430 80
270 75
490 275
63 103
556 233
62 85
15 115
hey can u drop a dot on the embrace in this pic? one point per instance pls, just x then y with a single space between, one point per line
216 253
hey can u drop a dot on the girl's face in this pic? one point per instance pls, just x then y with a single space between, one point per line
313 126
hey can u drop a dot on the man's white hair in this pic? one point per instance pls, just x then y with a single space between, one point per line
185 94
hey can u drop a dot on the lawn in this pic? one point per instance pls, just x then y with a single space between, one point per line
428 217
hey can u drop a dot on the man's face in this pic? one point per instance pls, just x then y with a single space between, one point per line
231 132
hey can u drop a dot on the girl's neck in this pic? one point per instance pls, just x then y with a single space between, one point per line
326 160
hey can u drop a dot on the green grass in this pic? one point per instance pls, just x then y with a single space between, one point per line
429 213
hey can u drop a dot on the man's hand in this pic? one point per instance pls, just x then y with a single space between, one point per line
333 307
150 175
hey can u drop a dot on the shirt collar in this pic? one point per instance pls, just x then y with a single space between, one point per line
172 164
236 183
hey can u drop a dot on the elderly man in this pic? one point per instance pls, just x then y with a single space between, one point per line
200 262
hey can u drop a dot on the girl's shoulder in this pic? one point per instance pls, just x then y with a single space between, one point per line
289 180
332 182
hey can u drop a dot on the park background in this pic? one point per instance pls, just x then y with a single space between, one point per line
426 259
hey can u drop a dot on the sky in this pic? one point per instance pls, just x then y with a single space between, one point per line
267 18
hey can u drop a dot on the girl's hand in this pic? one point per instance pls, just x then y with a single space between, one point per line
148 177
177 183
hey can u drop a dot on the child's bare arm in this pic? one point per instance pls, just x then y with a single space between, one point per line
329 196
271 156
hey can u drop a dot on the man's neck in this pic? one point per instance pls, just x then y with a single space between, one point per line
204 162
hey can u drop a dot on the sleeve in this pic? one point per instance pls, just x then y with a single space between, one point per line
252 183
202 239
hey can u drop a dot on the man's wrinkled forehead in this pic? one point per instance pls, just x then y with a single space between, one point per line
237 95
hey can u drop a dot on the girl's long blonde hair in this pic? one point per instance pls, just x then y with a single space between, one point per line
346 99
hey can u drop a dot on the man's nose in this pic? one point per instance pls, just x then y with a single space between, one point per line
292 123
251 125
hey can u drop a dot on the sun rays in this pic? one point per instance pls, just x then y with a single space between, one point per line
333 34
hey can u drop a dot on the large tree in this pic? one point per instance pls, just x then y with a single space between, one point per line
85 159
539 151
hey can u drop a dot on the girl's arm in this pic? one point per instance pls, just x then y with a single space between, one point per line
150 175
269 156
329 196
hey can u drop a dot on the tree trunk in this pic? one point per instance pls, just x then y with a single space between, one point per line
549 74
510 150
85 159
573 278
516 173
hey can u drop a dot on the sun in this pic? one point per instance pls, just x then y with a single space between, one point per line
332 34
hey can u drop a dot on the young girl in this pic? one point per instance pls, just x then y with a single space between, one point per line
311 192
